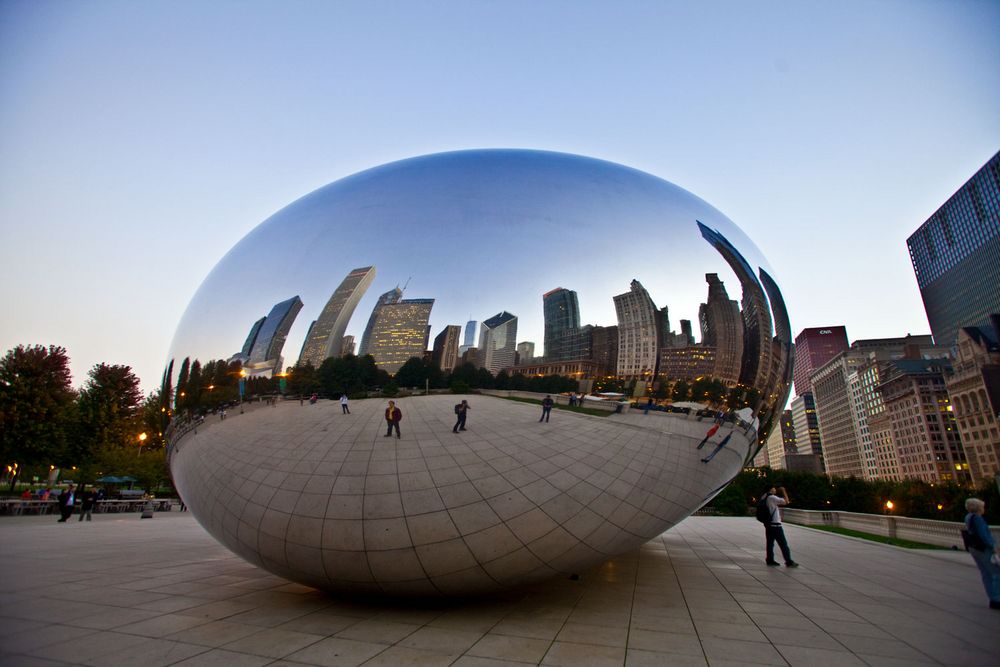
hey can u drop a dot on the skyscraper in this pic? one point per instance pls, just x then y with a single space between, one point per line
325 337
525 352
497 340
470 337
446 348
265 357
956 256
562 323
399 332
722 329
638 332
244 354
813 348
390 297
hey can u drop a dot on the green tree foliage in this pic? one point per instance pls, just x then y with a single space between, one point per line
681 391
36 405
303 381
349 374
109 415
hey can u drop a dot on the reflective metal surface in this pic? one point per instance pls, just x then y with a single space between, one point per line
620 279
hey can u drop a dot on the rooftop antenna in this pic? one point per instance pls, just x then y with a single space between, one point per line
405 284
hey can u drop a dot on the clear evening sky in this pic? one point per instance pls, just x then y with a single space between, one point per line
140 141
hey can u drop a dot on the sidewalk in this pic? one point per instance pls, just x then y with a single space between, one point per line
124 591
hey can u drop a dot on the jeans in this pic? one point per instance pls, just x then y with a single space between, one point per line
459 423
775 533
989 572
545 413
392 425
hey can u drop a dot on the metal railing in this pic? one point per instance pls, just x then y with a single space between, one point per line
928 531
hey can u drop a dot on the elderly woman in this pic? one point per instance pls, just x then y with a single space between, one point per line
986 554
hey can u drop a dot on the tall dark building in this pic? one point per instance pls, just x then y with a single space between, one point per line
956 256
446 348
266 353
390 297
562 323
813 348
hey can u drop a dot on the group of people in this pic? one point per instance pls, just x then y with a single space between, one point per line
712 431
67 501
393 415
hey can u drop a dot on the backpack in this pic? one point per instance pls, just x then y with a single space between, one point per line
458 408
763 511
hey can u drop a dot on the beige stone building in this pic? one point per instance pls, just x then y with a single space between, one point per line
974 387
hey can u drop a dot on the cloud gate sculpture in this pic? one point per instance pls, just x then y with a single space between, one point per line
530 272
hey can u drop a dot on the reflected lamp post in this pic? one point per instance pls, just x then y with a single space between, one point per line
142 441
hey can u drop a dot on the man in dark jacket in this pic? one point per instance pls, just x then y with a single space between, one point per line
393 416
546 408
87 504
462 411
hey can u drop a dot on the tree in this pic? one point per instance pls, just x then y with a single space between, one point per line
36 405
413 373
681 390
109 414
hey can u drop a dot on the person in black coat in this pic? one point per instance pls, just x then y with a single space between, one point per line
66 501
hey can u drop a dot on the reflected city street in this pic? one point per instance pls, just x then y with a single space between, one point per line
650 318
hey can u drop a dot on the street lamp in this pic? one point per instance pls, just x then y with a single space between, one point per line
142 441
243 377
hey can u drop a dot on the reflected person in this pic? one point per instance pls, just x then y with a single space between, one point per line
546 408
393 416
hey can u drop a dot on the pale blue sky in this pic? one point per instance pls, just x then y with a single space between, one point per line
140 140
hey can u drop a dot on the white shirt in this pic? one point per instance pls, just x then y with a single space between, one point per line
773 503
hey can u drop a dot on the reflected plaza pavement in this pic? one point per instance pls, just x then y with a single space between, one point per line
161 591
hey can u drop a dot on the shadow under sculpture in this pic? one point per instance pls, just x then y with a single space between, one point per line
317 495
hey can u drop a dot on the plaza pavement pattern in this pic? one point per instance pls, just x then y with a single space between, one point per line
126 591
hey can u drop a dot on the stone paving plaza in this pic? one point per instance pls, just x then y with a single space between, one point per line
126 591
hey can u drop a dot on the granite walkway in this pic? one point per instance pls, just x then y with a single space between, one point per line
127 591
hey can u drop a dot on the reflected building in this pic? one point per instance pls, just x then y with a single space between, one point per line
974 388
755 367
722 330
638 332
347 347
326 335
445 354
956 257
604 350
399 332
265 356
390 297
561 312
243 356
525 353
497 342
687 363
469 341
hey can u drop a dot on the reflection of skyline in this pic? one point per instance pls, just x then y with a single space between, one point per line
736 345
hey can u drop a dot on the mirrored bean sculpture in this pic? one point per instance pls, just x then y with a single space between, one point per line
468 371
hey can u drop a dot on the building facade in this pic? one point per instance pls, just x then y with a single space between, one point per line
399 332
265 357
956 256
326 335
722 329
497 342
390 297
638 333
974 388
923 423
561 312
813 348
445 354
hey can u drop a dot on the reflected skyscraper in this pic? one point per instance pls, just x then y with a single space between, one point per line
399 332
470 337
445 354
265 356
326 336
244 354
638 332
562 324
392 296
722 330
497 341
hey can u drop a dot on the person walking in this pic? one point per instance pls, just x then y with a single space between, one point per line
649 404
87 504
546 408
343 405
773 530
461 411
393 416
984 549
66 504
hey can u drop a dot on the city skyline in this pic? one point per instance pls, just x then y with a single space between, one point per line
135 155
